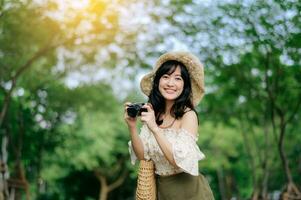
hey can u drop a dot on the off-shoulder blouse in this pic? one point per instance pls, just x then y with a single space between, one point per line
185 151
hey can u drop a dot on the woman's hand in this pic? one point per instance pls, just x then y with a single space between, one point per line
131 122
149 117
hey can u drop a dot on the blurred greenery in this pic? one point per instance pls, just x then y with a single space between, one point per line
67 67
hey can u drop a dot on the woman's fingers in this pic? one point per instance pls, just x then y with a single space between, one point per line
142 119
126 104
148 106
147 116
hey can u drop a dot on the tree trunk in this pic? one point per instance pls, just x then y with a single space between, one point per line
22 179
106 188
4 172
221 184
6 102
20 172
265 164
283 157
291 191
251 160
264 191
255 194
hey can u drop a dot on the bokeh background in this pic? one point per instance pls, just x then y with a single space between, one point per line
67 67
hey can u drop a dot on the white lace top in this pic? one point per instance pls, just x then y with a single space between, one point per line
185 151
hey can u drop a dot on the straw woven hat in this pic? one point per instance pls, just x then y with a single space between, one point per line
194 67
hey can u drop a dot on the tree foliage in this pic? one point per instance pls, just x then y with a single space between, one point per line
66 68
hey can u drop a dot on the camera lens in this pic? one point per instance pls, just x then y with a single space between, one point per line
132 111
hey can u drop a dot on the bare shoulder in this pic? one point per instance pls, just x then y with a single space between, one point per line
190 114
189 122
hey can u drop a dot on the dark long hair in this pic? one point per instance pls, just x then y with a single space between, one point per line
182 102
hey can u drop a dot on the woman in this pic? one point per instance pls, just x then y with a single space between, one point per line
170 131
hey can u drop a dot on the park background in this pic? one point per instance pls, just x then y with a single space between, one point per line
67 67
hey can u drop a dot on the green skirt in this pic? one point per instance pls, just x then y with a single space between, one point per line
183 186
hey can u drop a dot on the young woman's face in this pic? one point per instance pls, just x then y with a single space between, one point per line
171 86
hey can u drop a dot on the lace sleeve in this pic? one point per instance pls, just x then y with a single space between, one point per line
143 136
186 152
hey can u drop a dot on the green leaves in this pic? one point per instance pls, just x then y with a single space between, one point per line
251 54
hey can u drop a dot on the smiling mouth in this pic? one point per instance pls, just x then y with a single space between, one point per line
169 91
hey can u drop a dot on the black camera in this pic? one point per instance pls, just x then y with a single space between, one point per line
135 109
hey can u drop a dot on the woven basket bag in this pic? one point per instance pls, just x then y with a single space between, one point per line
146 183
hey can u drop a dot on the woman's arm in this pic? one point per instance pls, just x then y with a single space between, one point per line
188 122
164 145
135 139
136 143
